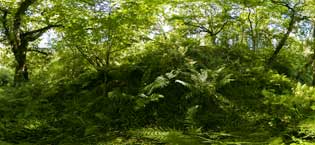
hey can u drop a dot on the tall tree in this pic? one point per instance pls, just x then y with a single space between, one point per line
207 17
105 31
293 12
18 32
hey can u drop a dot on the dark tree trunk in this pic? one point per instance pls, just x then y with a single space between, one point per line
18 39
283 40
313 69
252 31
21 72
313 47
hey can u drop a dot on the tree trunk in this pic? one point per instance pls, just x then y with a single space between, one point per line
313 47
283 39
213 40
252 31
21 72
313 82
18 39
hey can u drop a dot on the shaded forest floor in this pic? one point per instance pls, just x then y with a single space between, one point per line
173 98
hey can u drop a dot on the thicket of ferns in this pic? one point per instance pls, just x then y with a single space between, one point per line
177 72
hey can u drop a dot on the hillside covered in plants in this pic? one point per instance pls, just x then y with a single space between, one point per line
165 72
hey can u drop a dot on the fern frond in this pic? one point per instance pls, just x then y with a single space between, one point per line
160 82
169 136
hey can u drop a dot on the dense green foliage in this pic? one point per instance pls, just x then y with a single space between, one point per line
178 72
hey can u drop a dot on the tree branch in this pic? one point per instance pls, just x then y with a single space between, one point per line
293 20
4 22
204 29
20 12
2 40
35 34
221 28
94 62
3 9
305 66
207 30
39 51
283 39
